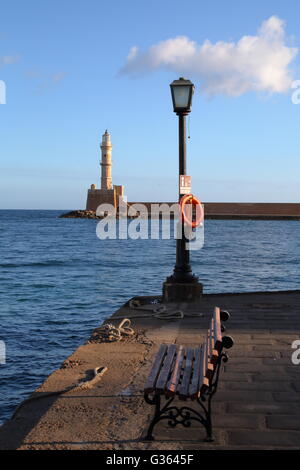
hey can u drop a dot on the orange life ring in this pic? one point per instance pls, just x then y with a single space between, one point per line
191 199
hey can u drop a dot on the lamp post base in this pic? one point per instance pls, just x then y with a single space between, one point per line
182 291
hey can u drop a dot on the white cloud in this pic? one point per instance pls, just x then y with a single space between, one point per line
45 80
58 77
254 63
8 59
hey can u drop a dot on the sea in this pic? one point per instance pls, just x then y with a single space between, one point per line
59 281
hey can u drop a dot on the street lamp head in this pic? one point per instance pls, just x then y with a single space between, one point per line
182 92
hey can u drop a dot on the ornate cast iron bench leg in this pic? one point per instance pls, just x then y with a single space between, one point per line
223 357
178 415
166 412
156 402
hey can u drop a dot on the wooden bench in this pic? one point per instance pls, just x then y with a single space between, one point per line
188 374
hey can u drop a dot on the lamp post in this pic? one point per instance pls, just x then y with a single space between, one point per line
182 284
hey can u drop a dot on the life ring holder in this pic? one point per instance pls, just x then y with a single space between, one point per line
190 198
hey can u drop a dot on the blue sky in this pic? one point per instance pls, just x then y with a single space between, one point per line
62 64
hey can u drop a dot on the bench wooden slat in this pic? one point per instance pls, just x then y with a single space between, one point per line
209 368
186 378
217 329
212 352
194 385
173 382
199 382
203 380
152 378
166 368
208 342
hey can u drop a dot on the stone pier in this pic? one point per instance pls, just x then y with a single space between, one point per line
257 405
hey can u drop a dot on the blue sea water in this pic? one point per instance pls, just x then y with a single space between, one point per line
58 281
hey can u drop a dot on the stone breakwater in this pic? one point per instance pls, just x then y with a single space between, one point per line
80 214
220 210
84 214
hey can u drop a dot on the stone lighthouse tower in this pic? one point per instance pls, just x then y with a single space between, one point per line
106 147
109 193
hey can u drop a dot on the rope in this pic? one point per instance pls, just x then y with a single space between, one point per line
111 332
160 312
83 385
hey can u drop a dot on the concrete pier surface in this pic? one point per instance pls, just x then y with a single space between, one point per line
257 405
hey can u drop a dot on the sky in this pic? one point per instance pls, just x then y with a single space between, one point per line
72 69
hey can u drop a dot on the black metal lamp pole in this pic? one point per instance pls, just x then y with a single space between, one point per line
182 92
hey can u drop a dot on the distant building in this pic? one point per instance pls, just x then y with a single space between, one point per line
108 193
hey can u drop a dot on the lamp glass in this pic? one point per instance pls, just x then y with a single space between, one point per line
181 96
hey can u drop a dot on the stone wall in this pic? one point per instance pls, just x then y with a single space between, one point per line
243 209
95 197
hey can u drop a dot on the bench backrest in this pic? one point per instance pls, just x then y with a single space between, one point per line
184 371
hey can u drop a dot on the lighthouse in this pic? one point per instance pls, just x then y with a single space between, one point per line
106 148
108 193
